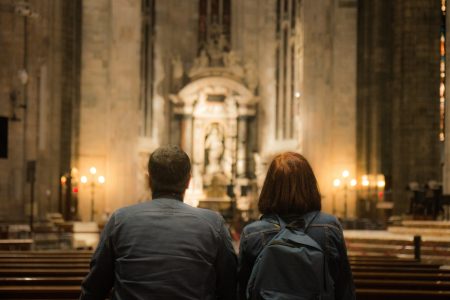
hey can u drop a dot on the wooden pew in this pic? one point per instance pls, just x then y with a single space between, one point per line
399 294
402 284
44 260
58 275
389 278
46 254
43 272
40 292
386 274
41 281
44 266
14 244
398 269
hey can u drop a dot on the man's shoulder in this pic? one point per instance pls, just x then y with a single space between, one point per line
132 208
205 214
209 216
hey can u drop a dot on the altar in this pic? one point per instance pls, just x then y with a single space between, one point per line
215 108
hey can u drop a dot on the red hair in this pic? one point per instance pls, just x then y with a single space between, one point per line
290 186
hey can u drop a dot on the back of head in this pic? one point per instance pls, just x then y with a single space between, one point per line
169 168
290 186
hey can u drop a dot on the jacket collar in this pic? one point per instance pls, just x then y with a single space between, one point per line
167 195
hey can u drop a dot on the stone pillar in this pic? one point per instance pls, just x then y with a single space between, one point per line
109 102
415 111
446 167
328 102
375 55
241 147
186 134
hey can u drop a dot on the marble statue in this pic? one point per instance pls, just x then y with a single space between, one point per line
214 147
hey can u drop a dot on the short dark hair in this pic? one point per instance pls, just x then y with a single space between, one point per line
290 186
169 168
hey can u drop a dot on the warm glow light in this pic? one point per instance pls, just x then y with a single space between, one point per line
101 179
345 173
74 172
93 170
365 180
63 180
353 182
336 183
83 179
297 94
381 183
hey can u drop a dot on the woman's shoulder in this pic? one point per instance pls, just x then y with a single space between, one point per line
327 218
266 223
331 221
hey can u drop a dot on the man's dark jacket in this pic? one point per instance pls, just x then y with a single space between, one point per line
163 249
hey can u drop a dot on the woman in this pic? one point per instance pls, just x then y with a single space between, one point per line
290 192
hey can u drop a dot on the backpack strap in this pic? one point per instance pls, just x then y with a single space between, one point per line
294 224
311 221
281 222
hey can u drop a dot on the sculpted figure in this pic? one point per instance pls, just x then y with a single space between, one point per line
214 146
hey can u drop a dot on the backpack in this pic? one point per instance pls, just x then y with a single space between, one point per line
291 266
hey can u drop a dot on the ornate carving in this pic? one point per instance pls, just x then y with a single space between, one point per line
216 59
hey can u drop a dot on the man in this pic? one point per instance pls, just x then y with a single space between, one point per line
164 248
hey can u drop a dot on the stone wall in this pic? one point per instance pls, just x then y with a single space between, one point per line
328 102
327 109
109 122
398 99
446 158
41 46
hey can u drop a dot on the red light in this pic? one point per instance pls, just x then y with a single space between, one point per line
75 190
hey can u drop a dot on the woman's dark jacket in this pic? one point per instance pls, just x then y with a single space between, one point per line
325 230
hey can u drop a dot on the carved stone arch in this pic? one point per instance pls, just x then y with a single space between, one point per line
222 103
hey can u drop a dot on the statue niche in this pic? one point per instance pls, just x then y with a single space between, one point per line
214 110
214 148
215 180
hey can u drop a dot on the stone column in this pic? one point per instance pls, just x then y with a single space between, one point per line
109 122
186 134
328 101
415 110
241 169
446 166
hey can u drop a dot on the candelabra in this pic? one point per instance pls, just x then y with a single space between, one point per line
372 188
344 182
100 179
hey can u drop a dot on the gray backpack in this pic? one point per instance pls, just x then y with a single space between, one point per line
291 266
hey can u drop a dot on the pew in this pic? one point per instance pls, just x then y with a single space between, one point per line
402 284
386 274
13 244
58 275
40 292
398 294
29 272
41 281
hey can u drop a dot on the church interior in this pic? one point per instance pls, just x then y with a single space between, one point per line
89 88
